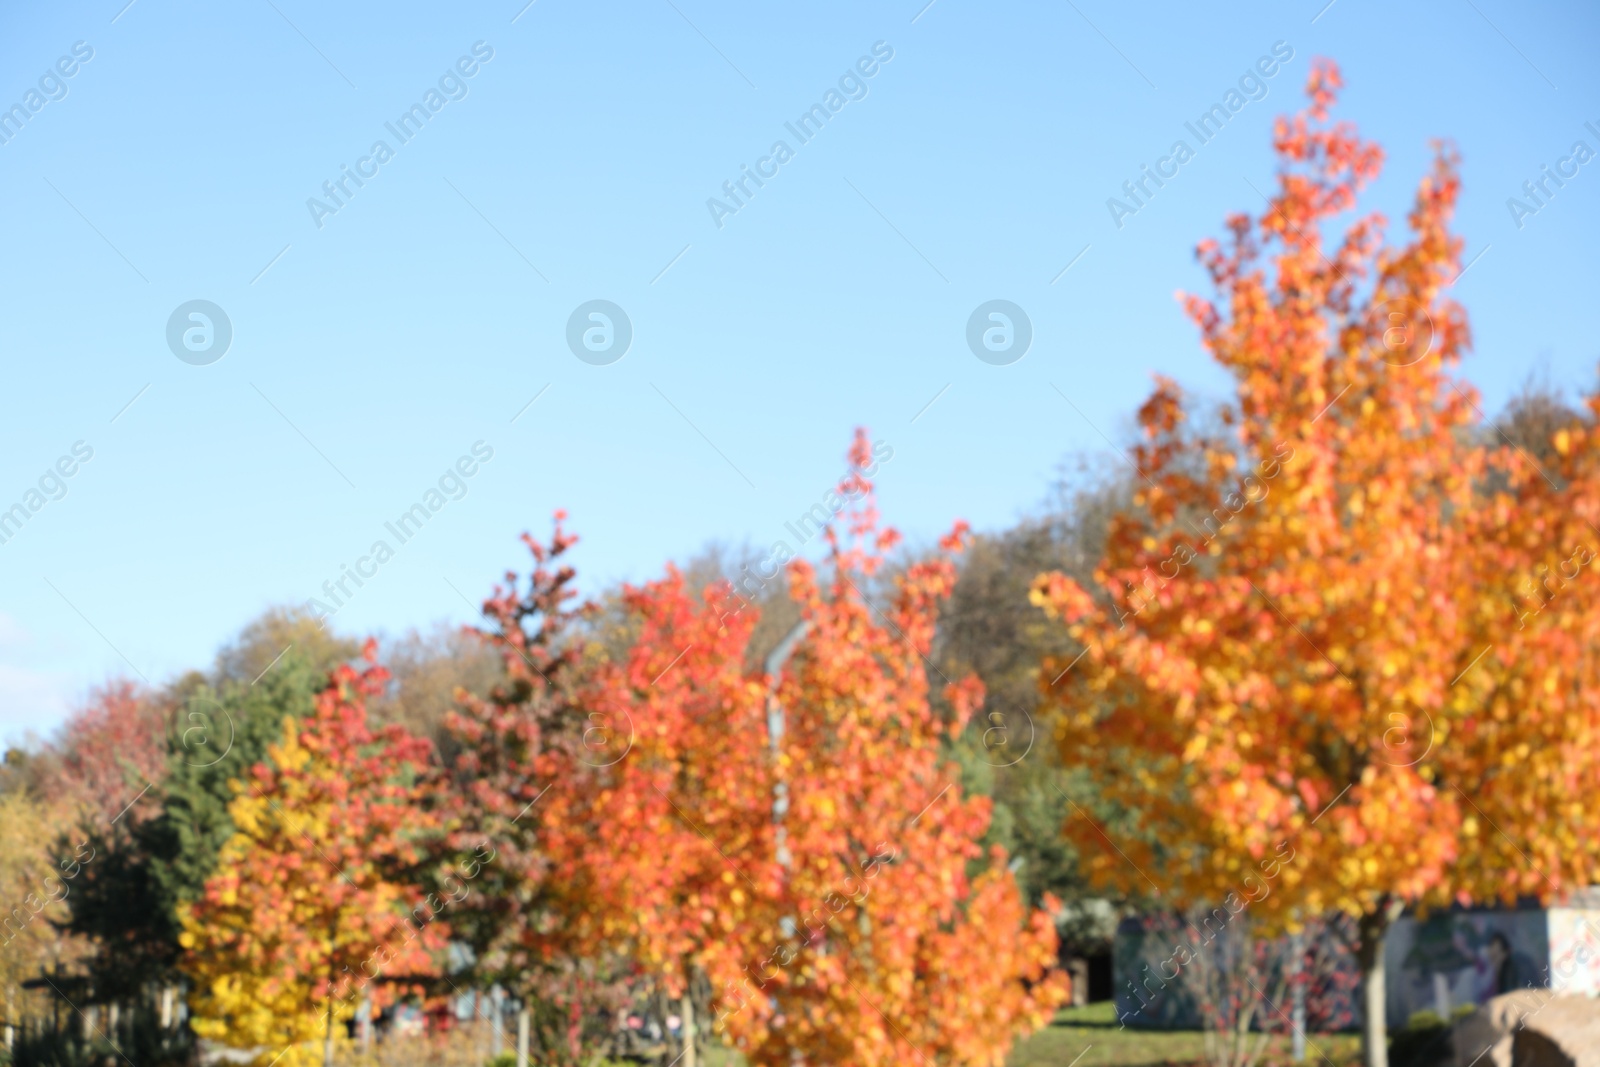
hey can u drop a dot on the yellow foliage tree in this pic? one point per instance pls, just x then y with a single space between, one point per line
34 880
300 918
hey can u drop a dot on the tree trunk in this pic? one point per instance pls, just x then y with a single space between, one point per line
333 977
524 1019
327 1036
688 1028
166 1007
664 1006
1373 927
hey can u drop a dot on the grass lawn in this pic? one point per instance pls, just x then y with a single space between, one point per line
1091 1033
1089 1037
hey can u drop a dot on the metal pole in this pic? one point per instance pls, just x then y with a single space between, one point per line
780 789
1298 992
775 724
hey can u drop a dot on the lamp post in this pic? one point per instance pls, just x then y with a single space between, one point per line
780 789
1298 991
775 723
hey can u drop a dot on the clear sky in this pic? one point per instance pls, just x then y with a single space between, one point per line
375 339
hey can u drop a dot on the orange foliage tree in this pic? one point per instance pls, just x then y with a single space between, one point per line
795 846
300 920
662 832
1304 638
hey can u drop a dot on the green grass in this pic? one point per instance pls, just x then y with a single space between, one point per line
1090 1036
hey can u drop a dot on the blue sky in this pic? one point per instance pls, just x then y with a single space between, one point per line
369 354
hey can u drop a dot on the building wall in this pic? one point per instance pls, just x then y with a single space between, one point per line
1453 959
1575 950
1462 958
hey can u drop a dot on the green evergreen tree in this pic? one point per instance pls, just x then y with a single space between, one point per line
125 900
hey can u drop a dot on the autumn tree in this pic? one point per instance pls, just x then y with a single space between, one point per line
109 752
427 671
265 639
139 780
35 878
1304 634
126 903
670 785
108 766
299 921
787 845
1531 421
490 862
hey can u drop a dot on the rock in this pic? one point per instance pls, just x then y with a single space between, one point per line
1475 1039
1530 1028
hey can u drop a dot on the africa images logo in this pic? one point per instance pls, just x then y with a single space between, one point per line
599 332
999 332
199 332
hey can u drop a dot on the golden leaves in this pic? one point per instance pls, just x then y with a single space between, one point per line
298 895
1371 581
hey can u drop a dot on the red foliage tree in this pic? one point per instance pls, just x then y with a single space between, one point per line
110 751
491 863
